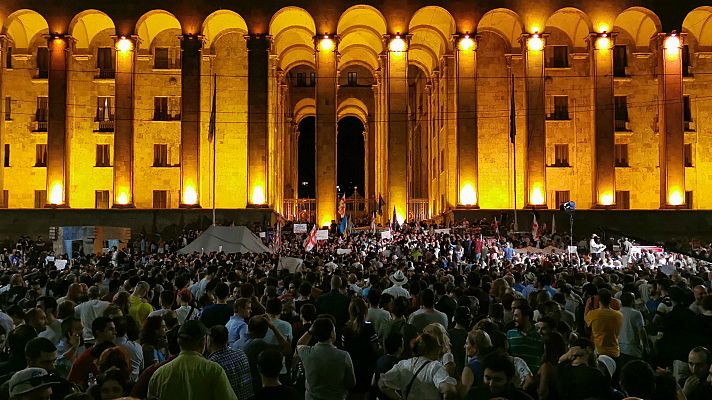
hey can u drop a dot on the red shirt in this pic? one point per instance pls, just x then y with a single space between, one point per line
82 367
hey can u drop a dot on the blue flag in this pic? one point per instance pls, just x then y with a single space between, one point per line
344 224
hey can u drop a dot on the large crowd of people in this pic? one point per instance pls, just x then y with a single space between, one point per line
469 312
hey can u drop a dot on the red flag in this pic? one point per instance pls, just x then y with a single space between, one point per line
373 222
535 229
342 206
311 239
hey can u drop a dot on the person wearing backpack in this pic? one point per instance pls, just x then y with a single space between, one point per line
422 377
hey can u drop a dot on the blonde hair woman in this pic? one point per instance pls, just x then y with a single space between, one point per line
478 344
499 288
438 332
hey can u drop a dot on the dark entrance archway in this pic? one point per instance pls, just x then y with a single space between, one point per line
306 162
350 156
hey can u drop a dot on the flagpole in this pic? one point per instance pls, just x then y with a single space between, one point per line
513 121
213 121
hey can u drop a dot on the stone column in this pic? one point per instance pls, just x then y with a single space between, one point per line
257 118
325 136
397 142
604 171
57 143
191 47
3 54
466 92
535 172
671 125
124 86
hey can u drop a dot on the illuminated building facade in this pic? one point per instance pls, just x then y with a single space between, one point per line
112 107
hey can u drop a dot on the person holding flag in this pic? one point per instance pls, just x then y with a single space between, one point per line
394 221
310 242
373 222
343 228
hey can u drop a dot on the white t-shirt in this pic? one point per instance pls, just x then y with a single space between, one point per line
632 322
426 384
522 371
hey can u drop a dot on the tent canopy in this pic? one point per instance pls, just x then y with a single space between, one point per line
233 239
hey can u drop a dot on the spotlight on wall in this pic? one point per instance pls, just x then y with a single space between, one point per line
56 197
397 44
326 43
535 42
466 43
603 42
124 44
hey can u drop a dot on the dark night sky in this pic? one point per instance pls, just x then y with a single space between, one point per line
350 156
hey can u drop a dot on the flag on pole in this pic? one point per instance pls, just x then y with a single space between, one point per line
344 224
394 221
381 203
512 115
553 224
373 222
342 206
211 127
535 229
310 242
278 234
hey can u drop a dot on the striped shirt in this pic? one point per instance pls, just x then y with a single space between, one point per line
529 347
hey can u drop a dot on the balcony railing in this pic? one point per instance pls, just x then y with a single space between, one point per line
40 126
622 125
105 126
300 210
105 74
418 209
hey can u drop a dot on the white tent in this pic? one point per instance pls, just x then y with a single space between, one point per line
230 239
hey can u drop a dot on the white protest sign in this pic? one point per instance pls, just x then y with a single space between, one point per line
300 228
573 249
292 264
343 251
322 234
60 264
263 234
442 230
386 235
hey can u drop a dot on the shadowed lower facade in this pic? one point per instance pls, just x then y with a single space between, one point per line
111 106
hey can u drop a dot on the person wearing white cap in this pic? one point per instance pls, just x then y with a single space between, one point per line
399 279
31 384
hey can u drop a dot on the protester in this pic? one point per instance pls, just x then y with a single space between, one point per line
190 376
530 302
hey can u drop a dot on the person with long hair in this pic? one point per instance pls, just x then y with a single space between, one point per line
360 340
153 340
554 348
478 345
438 331
422 377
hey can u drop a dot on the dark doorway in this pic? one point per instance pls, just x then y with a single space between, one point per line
306 175
350 157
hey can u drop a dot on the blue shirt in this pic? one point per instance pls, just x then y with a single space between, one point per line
237 368
236 328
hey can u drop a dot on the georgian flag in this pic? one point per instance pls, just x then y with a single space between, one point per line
310 242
